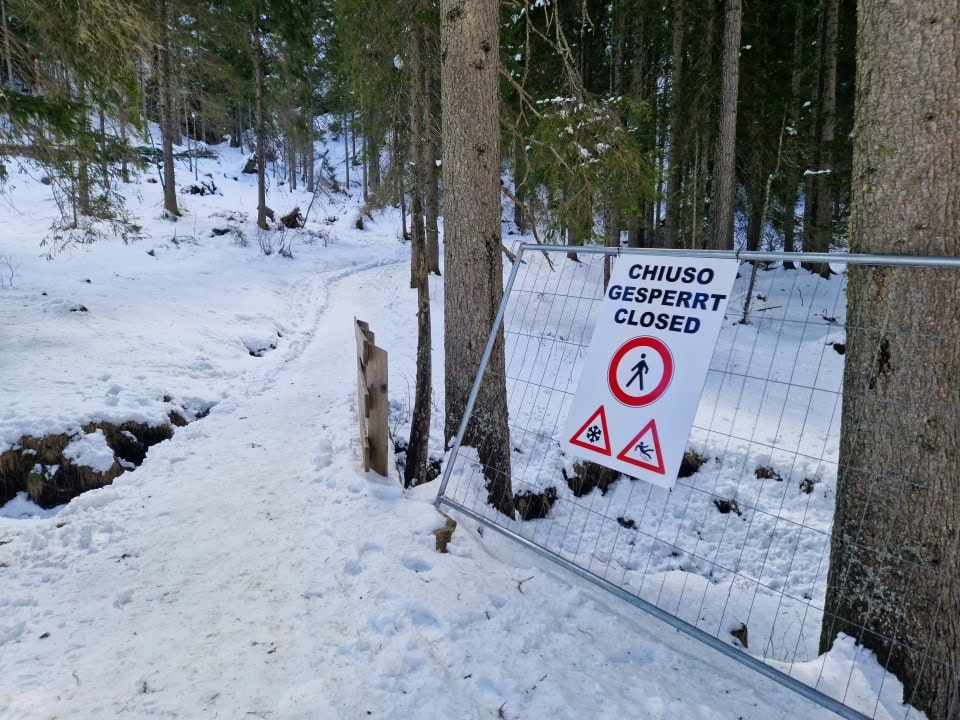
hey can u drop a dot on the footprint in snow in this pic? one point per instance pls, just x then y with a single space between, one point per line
416 564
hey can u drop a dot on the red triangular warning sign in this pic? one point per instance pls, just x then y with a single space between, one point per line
644 450
593 434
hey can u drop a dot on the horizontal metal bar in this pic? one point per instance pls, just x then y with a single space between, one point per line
761 256
729 650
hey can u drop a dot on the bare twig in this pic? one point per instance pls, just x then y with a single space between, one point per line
533 221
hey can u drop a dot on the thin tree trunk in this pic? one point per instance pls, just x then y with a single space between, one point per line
261 119
7 55
292 162
308 160
83 167
417 457
674 169
104 161
417 103
792 182
811 186
363 161
371 145
823 213
166 111
124 167
721 225
432 177
474 270
346 150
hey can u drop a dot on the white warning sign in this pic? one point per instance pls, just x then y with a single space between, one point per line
647 361
593 435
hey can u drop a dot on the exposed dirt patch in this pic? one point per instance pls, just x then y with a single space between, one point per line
692 462
766 472
38 467
534 506
587 476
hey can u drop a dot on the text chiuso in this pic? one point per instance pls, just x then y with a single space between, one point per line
673 298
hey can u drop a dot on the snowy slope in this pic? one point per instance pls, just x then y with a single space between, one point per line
249 568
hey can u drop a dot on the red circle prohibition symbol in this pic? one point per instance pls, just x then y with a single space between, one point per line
666 357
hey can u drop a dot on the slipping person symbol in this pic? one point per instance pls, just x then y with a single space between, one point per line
639 370
644 450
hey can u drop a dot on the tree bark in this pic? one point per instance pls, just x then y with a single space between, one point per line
83 167
895 554
260 119
431 155
167 119
346 150
823 209
792 178
417 102
722 202
7 55
674 183
469 35
417 448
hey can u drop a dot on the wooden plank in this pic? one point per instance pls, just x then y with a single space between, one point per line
361 330
362 405
377 427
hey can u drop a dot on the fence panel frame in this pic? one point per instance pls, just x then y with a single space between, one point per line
725 648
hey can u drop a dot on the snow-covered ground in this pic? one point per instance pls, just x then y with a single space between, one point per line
249 568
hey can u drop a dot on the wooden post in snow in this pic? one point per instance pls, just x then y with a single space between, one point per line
371 400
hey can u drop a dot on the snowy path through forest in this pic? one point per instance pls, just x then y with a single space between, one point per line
250 569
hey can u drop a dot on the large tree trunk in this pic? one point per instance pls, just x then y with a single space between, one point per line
469 35
894 559
417 456
721 225
167 119
260 119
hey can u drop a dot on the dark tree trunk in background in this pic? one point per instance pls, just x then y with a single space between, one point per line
417 449
721 225
417 102
469 34
674 170
894 558
431 155
823 207
167 119
83 167
260 119
7 57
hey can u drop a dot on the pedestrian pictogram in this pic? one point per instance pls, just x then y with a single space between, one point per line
593 434
640 371
644 450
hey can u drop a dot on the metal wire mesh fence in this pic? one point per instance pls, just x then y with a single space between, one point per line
763 548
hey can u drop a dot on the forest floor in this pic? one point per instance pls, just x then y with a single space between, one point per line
249 568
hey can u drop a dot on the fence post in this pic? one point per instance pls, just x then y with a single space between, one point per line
371 399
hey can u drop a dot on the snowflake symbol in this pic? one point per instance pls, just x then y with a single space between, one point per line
593 434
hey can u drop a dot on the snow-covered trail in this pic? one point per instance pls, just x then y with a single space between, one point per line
261 574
